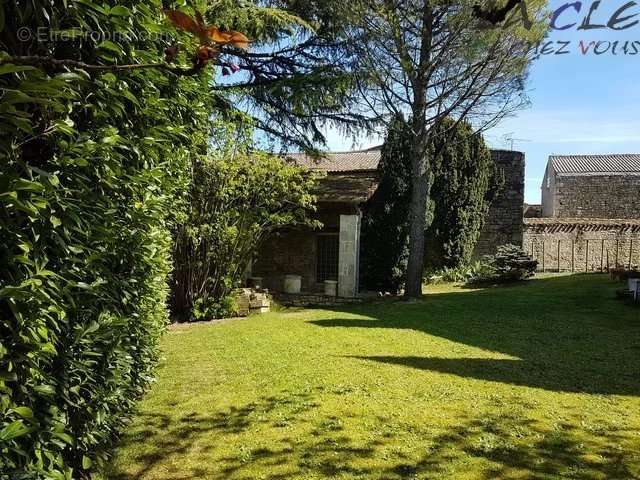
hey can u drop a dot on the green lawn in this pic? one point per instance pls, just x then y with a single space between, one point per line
541 380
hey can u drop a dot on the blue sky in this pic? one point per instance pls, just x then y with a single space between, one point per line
580 103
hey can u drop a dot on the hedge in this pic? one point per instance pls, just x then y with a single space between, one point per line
90 165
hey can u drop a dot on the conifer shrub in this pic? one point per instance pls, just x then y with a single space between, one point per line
385 221
464 183
511 263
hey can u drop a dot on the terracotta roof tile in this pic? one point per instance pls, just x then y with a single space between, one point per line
362 160
555 225
590 221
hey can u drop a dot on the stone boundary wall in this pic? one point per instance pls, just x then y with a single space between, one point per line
504 221
582 245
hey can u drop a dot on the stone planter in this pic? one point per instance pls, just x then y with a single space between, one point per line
330 288
292 283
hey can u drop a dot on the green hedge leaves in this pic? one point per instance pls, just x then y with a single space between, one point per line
90 165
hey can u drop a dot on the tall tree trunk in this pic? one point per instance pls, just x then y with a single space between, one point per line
417 219
419 158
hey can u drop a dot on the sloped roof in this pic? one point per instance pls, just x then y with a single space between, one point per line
356 161
557 225
617 164
347 187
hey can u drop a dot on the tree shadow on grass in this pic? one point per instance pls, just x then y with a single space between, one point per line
480 446
512 447
523 373
325 450
565 335
166 436
568 334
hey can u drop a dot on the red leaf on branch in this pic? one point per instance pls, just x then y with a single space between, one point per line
183 21
229 37
206 34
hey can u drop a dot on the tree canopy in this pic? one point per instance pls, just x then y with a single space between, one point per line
434 60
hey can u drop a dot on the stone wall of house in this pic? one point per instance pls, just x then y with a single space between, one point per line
504 221
614 196
290 253
294 251
582 245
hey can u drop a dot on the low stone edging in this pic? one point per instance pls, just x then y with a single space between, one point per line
312 300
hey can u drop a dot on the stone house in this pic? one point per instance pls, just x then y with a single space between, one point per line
332 252
590 217
592 186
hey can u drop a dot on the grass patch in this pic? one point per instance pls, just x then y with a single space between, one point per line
535 381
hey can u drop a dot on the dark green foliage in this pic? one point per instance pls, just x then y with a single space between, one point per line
93 176
465 182
511 263
89 164
237 198
292 87
385 217
462 274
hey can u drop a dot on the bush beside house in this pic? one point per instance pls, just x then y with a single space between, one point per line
465 183
385 219
238 197
512 263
